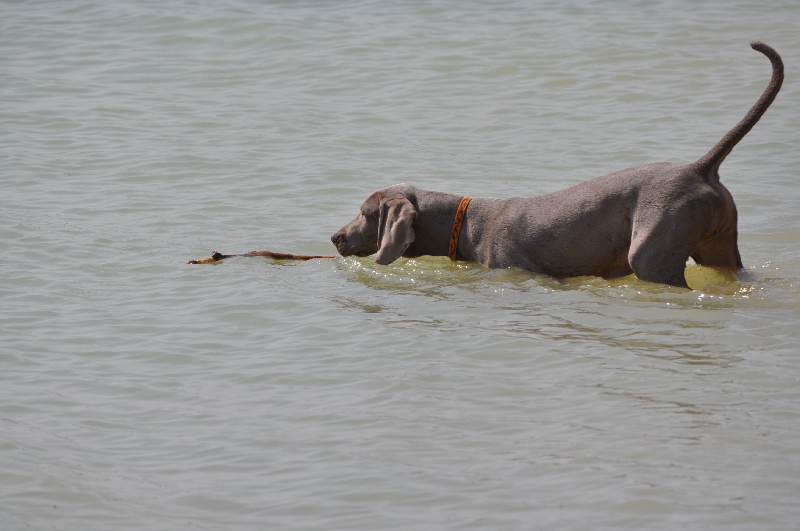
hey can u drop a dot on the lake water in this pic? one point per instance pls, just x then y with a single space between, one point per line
138 392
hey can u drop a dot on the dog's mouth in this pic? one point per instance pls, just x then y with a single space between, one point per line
347 252
344 247
360 254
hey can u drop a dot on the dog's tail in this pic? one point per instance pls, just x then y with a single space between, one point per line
710 162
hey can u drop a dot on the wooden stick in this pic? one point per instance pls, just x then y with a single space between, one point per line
217 256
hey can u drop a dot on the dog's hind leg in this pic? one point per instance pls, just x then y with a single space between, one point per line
721 251
656 263
659 251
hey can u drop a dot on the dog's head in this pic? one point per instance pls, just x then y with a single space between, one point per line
385 226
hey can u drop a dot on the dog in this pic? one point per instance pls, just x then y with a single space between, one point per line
647 220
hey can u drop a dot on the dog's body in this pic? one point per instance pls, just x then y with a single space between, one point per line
646 220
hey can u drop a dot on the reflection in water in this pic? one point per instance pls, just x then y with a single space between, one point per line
574 317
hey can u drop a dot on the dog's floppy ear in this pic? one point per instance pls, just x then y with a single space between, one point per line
395 229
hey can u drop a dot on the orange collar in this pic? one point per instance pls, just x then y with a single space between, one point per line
456 232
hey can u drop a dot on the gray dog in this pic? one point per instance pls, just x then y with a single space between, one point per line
646 220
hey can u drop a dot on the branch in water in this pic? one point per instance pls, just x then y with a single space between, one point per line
217 256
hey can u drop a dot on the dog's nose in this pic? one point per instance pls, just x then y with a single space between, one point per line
336 238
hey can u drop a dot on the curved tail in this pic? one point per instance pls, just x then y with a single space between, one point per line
710 162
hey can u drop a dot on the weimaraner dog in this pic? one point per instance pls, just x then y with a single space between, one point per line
646 220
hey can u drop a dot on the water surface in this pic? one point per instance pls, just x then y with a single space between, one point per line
140 392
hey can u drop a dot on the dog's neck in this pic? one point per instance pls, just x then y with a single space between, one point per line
433 228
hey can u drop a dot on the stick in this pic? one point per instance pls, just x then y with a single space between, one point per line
217 256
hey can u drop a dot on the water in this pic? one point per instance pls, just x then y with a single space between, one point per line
141 392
